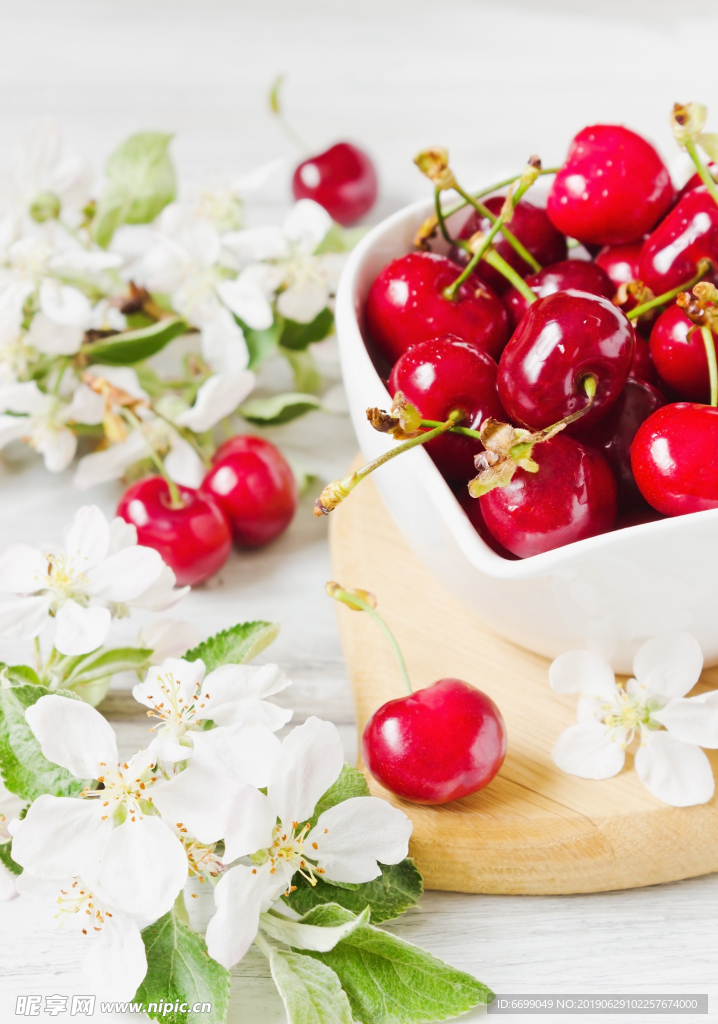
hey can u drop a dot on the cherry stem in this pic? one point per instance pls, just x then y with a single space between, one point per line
357 603
175 496
703 268
494 188
440 217
510 237
276 108
712 366
500 264
706 176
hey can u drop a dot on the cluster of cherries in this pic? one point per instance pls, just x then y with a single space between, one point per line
603 365
248 495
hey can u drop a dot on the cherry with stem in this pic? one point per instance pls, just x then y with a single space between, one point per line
359 600
704 267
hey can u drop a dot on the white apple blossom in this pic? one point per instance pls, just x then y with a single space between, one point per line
10 807
221 199
100 567
284 261
274 838
43 421
652 708
42 167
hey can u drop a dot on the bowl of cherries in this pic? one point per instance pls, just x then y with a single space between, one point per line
531 370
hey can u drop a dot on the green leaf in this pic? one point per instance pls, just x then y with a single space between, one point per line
339 239
276 409
19 674
234 646
351 782
298 336
310 991
24 769
319 929
6 858
140 183
132 346
261 344
180 968
390 981
119 659
397 890
307 377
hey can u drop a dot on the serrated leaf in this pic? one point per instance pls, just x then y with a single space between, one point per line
277 409
119 659
180 968
310 991
351 782
24 769
261 344
390 981
397 890
133 346
6 858
319 929
140 183
298 336
234 646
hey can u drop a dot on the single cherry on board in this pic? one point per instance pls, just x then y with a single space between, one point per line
194 540
689 233
253 484
406 305
579 275
571 497
562 340
342 179
612 189
673 456
443 375
679 355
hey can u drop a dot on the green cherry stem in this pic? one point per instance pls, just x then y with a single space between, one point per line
706 176
510 237
499 263
494 188
353 600
441 217
703 268
175 496
712 366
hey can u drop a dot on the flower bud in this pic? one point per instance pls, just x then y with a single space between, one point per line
45 206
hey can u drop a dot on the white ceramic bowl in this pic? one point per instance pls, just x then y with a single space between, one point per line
608 593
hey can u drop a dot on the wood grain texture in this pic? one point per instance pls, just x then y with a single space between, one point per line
534 829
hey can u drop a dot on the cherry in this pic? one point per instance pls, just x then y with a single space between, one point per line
342 180
530 224
612 189
564 339
695 181
472 508
671 254
437 744
673 458
440 376
679 355
577 274
642 365
572 496
620 262
406 305
253 484
194 540
614 435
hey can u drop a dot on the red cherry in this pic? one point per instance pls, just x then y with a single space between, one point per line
679 355
194 540
695 181
572 496
472 508
580 275
439 744
253 484
674 458
689 233
642 365
563 339
614 435
440 376
342 180
406 304
612 189
530 224
620 262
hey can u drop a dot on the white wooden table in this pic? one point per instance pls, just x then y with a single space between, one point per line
495 81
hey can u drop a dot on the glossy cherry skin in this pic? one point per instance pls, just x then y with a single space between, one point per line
472 508
439 744
642 365
440 376
406 305
689 233
253 484
673 456
571 497
612 189
194 540
679 355
581 275
530 224
620 262
695 180
562 339
614 435
342 179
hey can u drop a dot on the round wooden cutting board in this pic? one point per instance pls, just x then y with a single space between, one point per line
533 830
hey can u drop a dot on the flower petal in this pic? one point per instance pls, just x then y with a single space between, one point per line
261 243
23 569
216 398
162 594
677 773
249 823
310 762
59 837
582 672
116 961
122 535
174 677
24 618
247 301
223 344
12 428
692 719
184 464
126 574
86 407
238 896
81 630
8 885
236 692
64 304
306 224
73 735
669 665
243 753
302 301
110 464
143 868
53 338
353 835
199 802
587 750
87 539
57 445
